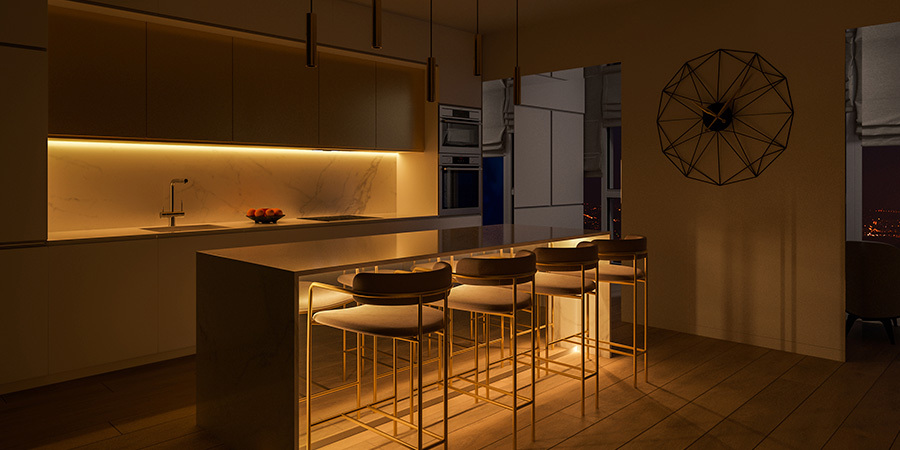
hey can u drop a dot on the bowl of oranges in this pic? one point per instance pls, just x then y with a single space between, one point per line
265 215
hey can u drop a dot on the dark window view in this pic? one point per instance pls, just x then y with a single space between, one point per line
615 217
881 194
492 187
594 187
593 201
615 160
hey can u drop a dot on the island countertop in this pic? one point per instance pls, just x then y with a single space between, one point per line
312 257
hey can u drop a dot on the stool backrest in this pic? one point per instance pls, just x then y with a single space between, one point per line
566 259
628 247
494 271
405 288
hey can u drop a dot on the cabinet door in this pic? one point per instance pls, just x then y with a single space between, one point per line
346 102
531 162
103 303
188 84
97 75
455 55
23 314
276 97
568 158
400 113
23 143
178 279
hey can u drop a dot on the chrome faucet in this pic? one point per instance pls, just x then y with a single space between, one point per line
171 213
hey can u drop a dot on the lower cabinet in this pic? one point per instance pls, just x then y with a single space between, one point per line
23 313
178 283
103 303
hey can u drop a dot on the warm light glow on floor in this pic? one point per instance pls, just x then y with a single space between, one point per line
98 144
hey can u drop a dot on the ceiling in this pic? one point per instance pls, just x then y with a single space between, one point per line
494 15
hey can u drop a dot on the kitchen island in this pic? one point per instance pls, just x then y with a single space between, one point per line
250 337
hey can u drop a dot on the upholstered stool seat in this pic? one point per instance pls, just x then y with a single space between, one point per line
380 320
487 299
563 284
613 273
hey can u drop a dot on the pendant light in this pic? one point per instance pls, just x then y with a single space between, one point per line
432 65
517 76
312 55
478 58
376 24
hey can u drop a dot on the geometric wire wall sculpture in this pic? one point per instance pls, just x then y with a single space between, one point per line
725 117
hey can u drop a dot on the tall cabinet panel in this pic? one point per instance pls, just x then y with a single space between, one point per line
97 75
188 84
23 143
531 163
400 111
23 313
276 97
346 102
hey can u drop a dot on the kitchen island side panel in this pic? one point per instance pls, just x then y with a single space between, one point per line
247 376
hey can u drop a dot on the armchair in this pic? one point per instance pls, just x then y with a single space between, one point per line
873 284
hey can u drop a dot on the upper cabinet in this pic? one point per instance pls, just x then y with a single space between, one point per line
97 75
113 77
455 55
400 107
276 97
347 102
188 84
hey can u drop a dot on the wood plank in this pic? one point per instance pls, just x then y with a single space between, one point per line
875 420
753 421
150 436
819 416
729 395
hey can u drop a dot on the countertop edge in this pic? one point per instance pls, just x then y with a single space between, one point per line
254 228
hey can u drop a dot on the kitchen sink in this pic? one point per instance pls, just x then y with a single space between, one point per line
199 227
337 218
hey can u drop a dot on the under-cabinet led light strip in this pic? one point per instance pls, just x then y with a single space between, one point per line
138 145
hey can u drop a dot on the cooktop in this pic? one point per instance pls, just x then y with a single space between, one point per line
336 218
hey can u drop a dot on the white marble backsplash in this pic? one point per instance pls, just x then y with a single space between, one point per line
92 186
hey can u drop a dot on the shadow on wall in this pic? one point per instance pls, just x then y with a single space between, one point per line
744 278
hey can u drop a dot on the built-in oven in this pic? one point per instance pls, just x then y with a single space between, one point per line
460 184
460 130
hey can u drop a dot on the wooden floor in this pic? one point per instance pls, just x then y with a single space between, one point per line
703 393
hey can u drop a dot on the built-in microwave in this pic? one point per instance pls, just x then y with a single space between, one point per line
460 130
460 184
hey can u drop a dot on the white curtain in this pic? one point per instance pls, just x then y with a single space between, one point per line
874 66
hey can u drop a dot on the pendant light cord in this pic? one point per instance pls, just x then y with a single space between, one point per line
517 32
431 27
477 22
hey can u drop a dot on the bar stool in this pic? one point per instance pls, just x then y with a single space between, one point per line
631 248
391 305
552 280
481 292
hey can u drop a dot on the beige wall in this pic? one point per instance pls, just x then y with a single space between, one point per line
760 261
